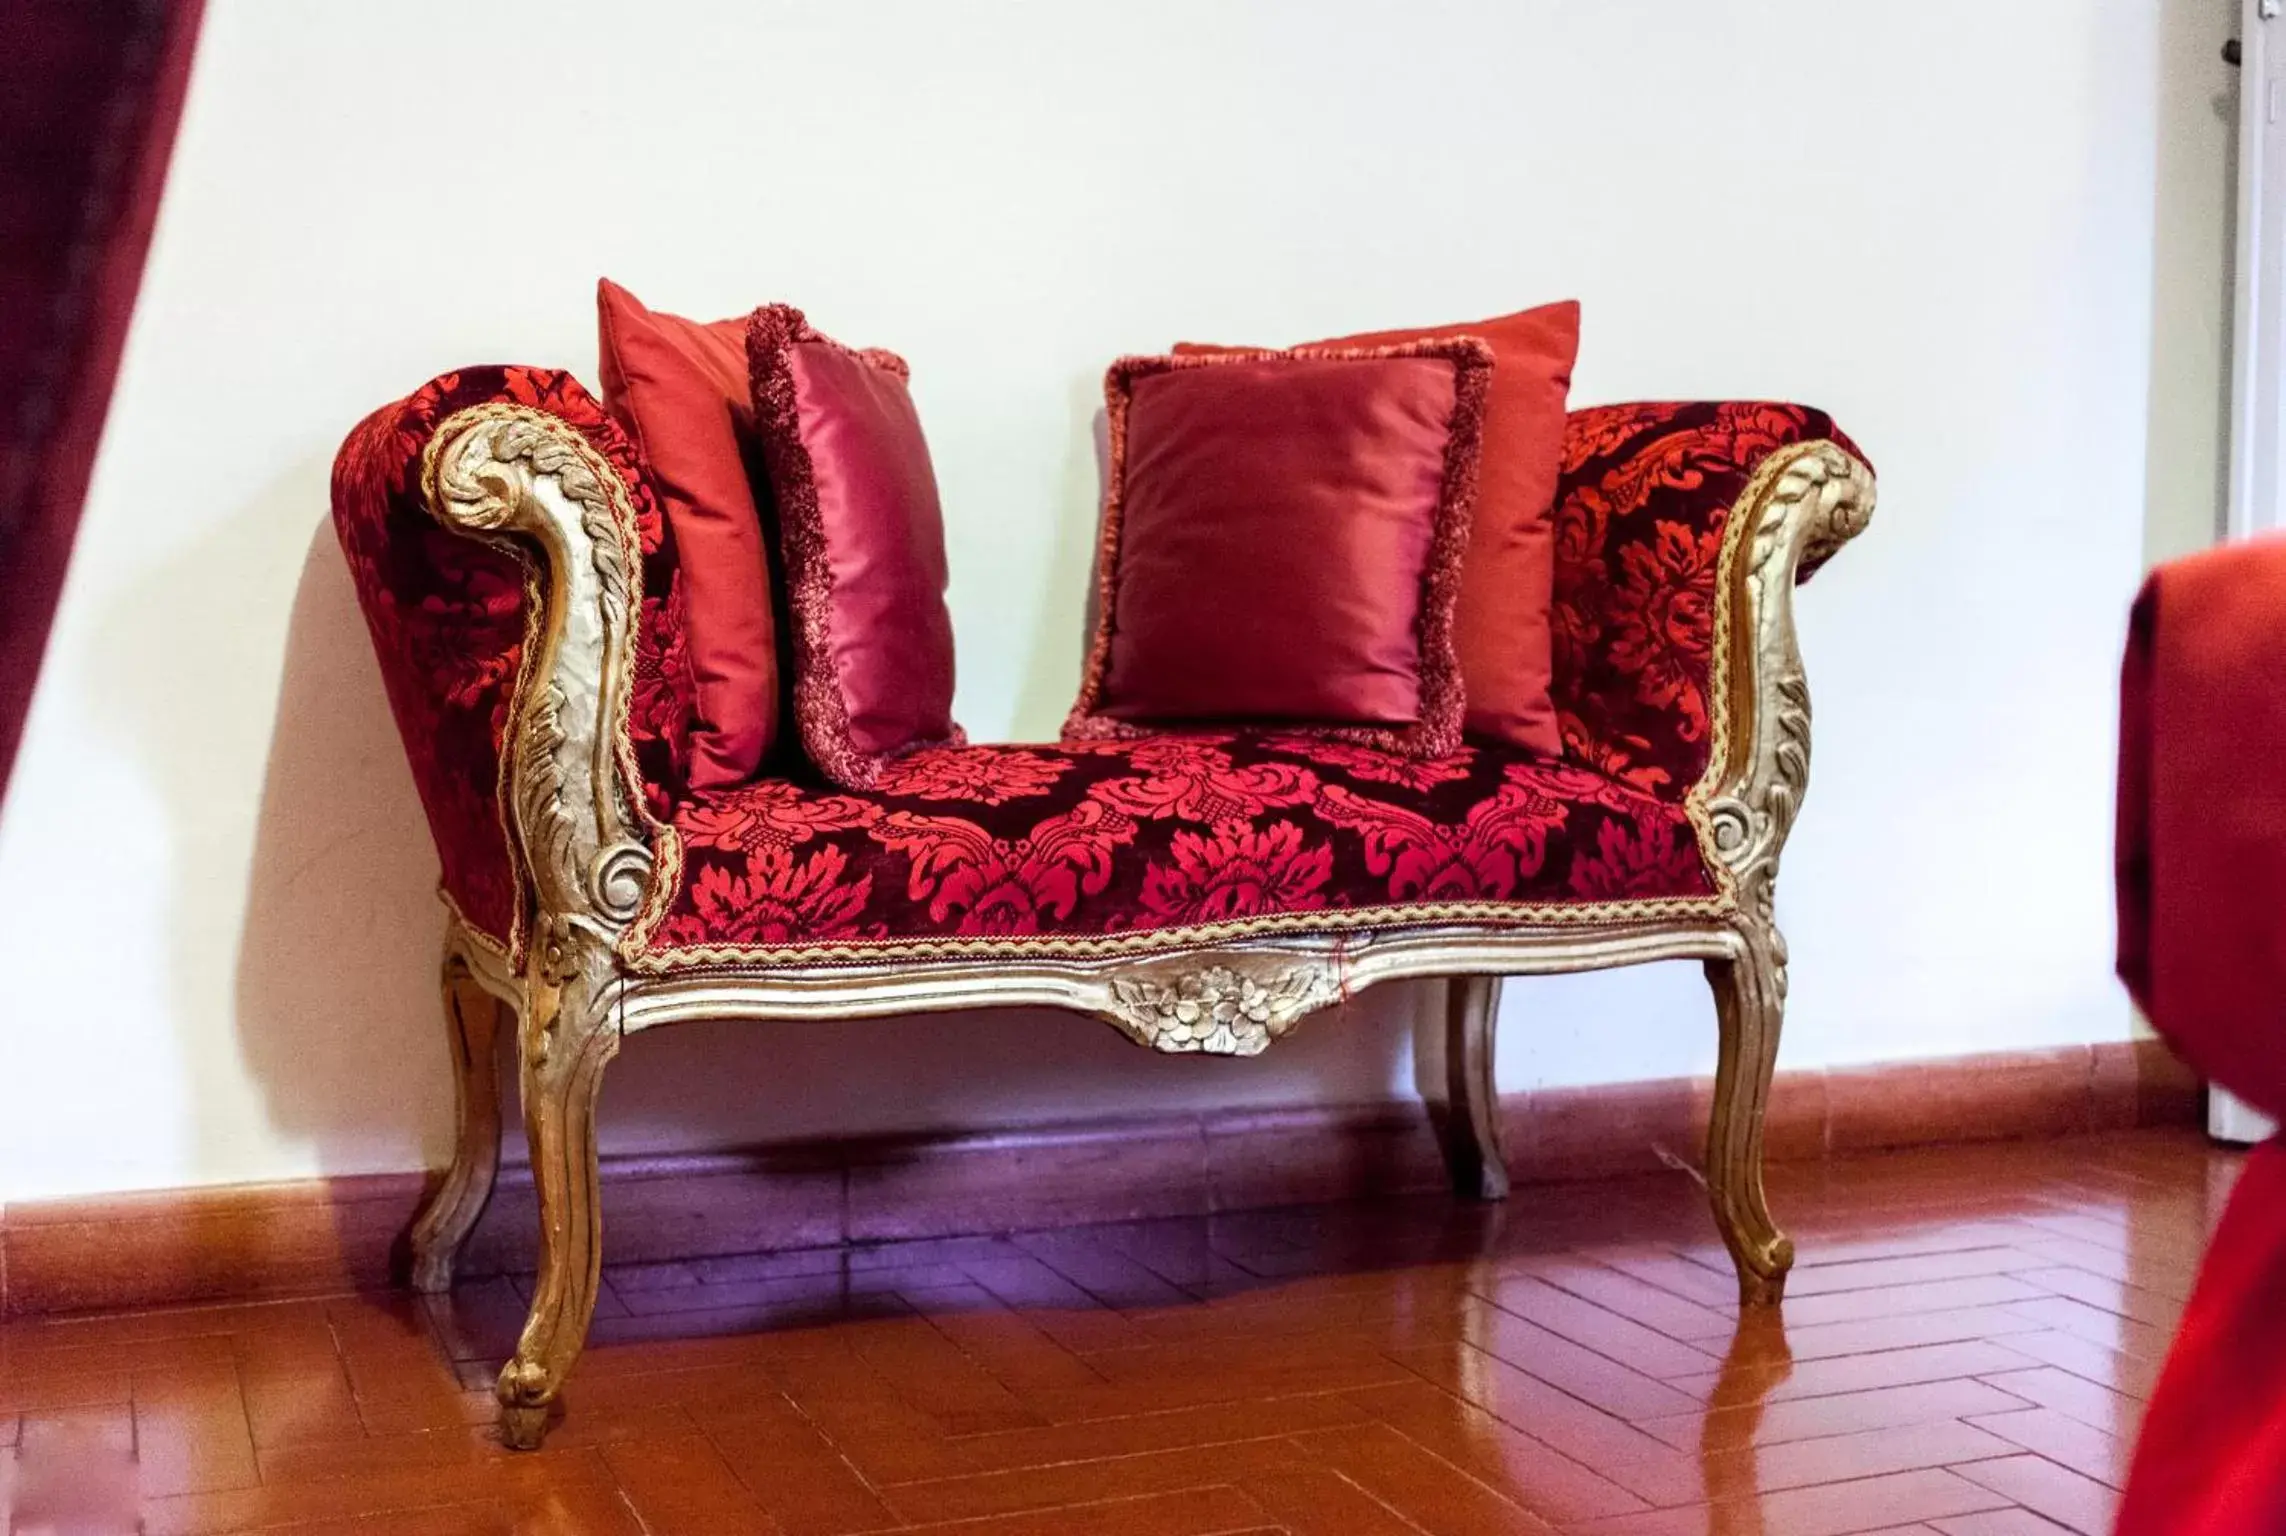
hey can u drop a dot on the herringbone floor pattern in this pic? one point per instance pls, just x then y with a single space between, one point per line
1968 1342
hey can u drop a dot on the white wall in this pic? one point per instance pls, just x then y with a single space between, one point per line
1952 222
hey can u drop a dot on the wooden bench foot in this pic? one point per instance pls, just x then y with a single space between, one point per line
1750 1006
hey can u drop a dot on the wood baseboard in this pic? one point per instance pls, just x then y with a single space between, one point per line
177 1246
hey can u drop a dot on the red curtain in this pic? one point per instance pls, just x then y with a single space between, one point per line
89 94
2202 945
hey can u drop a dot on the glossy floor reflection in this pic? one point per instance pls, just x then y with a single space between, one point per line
1969 1340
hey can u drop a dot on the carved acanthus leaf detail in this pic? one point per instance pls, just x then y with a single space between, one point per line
504 469
510 469
546 821
1220 1010
1816 500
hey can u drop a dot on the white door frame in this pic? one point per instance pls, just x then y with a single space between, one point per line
2258 346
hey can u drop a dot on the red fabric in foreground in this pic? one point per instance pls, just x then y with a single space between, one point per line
679 389
90 91
1100 839
2202 944
2212 1458
1500 623
2202 835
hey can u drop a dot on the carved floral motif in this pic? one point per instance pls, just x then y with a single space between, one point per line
1220 1010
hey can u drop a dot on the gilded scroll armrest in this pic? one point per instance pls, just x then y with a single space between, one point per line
503 470
460 511
1803 503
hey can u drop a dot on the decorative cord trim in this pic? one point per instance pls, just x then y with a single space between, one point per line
490 942
666 883
1196 935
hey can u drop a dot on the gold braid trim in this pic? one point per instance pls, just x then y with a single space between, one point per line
454 917
666 882
1501 914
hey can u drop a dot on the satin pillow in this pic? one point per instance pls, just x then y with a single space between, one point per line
1501 623
862 538
1281 543
679 389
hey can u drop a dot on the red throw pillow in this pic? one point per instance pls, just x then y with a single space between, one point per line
1281 541
679 389
863 541
1507 580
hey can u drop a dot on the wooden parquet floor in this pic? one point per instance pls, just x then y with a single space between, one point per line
1966 1349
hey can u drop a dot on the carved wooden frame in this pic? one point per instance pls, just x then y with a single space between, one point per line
517 474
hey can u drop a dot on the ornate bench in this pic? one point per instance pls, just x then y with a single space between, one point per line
1198 891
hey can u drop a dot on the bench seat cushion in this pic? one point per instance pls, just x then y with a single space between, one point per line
1111 847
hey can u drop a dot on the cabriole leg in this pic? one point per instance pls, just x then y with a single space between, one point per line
1464 1099
1750 1003
472 1016
564 1050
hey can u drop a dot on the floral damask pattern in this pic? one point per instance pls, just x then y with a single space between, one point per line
975 883
774 813
952 773
447 615
1094 839
1190 777
1158 837
1237 870
1484 856
1663 632
1641 511
1633 855
780 898
1379 767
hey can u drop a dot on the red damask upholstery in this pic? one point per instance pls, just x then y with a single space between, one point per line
1158 842
448 615
1117 845
1640 510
